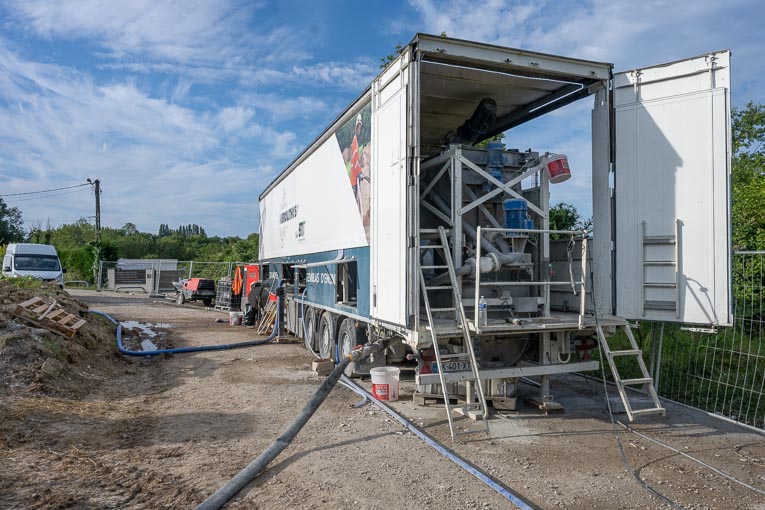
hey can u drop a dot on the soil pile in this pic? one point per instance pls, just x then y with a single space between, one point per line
35 359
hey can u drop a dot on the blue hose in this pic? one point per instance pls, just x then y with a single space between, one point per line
202 348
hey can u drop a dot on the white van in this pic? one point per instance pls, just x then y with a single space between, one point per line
37 260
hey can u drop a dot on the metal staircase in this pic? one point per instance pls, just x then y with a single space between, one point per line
646 380
476 409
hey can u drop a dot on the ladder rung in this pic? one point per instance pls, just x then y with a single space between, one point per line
660 305
659 240
660 285
631 352
431 246
455 356
434 267
452 309
658 262
439 287
432 231
640 380
650 410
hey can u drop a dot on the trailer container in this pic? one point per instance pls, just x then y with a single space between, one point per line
394 223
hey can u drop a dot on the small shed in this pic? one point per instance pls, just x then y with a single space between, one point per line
149 275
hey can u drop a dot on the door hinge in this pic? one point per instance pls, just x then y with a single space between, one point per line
412 242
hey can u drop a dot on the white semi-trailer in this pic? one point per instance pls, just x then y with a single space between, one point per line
392 223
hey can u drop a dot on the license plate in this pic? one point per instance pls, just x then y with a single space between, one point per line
452 366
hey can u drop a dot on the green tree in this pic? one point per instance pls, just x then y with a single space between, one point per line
387 59
11 229
484 144
748 177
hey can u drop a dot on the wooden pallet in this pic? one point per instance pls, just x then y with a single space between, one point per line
50 316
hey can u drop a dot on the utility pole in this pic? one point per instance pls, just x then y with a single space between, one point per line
97 247
97 186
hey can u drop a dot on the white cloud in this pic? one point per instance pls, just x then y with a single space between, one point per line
282 108
57 127
234 118
183 31
340 74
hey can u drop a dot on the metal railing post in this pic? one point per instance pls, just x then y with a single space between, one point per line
583 286
478 278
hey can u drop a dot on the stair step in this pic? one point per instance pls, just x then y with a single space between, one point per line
660 285
659 239
660 305
658 262
434 267
439 287
455 356
639 380
431 246
631 352
452 309
650 410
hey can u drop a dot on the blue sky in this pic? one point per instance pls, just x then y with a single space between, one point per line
187 109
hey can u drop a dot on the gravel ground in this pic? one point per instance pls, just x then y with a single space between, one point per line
166 432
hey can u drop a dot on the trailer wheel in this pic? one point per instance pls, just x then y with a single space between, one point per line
207 302
326 337
346 341
309 333
180 299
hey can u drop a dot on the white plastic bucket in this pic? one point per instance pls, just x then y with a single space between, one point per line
385 383
235 318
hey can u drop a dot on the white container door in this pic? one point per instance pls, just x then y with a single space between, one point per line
388 244
672 188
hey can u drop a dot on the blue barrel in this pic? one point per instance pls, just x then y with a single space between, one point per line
516 210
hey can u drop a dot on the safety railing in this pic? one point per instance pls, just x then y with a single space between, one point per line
582 283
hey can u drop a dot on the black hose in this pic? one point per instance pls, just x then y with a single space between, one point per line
253 469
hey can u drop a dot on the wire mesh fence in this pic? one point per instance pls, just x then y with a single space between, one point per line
723 373
158 276
720 372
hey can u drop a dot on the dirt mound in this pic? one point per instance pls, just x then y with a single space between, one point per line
35 359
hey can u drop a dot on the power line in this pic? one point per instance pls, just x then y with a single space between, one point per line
46 196
44 191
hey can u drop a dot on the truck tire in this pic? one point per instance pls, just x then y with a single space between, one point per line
309 328
180 299
207 302
346 341
326 337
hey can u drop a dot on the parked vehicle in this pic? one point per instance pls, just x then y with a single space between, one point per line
392 223
37 260
195 289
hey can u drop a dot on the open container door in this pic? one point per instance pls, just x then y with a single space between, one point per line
388 246
672 191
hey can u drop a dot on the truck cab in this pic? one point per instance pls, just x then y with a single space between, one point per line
36 260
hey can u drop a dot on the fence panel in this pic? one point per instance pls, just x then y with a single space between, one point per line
722 373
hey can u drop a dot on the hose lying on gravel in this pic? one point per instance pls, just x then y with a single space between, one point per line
245 476
201 348
504 491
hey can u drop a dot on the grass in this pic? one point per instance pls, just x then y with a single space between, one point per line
721 373
23 282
